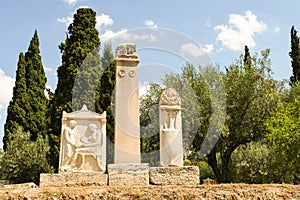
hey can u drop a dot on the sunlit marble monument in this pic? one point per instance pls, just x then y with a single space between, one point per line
83 142
171 149
82 159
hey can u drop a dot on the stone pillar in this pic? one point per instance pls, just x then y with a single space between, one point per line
171 149
127 129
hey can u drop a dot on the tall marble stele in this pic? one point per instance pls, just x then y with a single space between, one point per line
83 142
171 149
127 128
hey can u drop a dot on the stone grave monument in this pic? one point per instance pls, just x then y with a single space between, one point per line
170 130
127 128
82 157
172 171
128 169
83 146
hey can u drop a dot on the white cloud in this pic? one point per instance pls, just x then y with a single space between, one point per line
46 92
125 35
108 34
71 2
195 50
144 88
240 31
277 29
65 20
48 69
151 24
103 20
7 91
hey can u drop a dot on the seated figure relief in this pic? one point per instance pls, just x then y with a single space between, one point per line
83 139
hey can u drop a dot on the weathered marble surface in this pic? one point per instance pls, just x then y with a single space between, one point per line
127 125
73 179
187 175
171 148
83 146
128 174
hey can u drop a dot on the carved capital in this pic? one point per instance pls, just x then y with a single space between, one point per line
126 51
170 97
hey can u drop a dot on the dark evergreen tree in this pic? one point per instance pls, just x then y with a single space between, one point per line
29 103
247 58
80 62
36 87
295 56
104 96
18 106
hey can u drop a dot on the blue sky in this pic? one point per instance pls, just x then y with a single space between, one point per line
218 28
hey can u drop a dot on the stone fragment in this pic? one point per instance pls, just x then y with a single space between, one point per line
21 185
128 174
187 175
209 181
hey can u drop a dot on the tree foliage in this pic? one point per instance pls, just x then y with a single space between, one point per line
251 97
284 127
24 160
29 104
295 56
252 163
78 74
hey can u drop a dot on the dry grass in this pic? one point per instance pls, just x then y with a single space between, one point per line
203 192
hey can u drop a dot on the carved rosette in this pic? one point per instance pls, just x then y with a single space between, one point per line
170 97
126 51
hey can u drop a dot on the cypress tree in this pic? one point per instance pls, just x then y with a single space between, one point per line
80 65
295 56
16 111
29 103
247 58
36 86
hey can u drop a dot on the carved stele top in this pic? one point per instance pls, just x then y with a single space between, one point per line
170 97
126 51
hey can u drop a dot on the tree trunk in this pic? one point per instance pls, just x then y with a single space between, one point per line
212 161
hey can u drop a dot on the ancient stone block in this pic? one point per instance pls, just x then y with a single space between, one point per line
73 179
187 175
128 174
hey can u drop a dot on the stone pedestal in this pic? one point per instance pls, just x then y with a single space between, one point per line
73 179
188 175
128 174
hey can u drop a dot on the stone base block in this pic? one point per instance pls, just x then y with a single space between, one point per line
187 175
73 179
128 174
